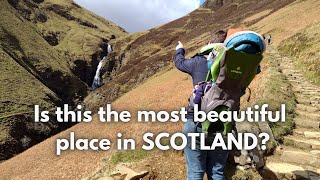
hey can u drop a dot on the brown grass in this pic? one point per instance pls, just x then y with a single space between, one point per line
304 48
193 30
257 16
167 90
87 162
287 21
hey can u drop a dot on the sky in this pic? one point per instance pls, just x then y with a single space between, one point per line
140 15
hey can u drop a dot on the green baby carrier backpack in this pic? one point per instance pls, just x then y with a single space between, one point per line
233 68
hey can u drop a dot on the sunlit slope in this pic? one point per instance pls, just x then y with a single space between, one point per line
165 91
304 47
289 20
142 55
295 30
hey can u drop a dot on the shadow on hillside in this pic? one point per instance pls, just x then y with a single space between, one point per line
303 174
268 174
232 173
299 175
230 170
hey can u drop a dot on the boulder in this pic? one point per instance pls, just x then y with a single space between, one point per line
124 173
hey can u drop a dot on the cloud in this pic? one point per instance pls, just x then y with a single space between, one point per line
140 15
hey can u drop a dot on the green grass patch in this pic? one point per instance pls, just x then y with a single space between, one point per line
4 134
304 48
288 142
129 156
279 91
246 175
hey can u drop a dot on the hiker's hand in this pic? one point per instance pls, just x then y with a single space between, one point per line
180 45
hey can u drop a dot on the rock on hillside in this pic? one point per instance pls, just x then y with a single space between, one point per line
49 51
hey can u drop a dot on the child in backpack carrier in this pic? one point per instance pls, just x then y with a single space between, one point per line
216 127
199 91
203 87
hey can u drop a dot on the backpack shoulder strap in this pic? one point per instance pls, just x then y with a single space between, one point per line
214 70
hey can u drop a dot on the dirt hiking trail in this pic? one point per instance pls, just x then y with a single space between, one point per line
299 156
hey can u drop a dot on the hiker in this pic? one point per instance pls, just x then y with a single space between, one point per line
200 162
197 65
269 39
249 45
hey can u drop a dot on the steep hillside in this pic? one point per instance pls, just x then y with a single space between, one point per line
288 21
95 165
141 55
79 164
49 52
299 37
304 46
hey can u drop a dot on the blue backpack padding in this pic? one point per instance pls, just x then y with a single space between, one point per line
247 48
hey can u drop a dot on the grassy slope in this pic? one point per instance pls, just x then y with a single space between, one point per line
24 53
74 162
23 40
165 83
289 20
35 72
300 35
25 88
268 87
304 46
154 49
77 39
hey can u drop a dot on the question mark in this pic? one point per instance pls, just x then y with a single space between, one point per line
264 139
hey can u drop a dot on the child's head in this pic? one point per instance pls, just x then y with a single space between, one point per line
218 37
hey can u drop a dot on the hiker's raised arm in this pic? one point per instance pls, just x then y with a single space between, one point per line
183 64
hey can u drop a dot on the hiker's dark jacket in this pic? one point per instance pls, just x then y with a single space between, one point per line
197 66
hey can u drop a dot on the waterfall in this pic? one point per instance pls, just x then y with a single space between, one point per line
97 80
109 49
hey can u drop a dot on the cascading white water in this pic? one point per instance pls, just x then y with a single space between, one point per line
97 80
109 49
